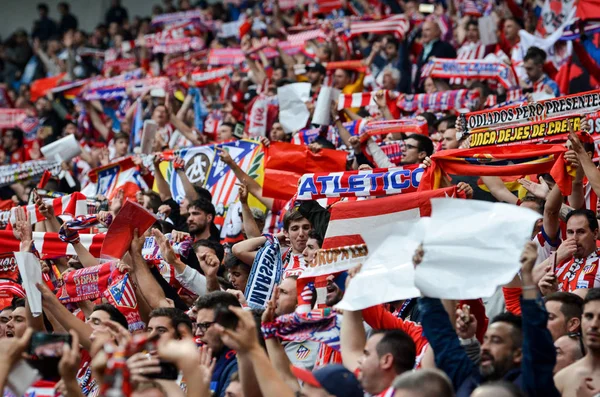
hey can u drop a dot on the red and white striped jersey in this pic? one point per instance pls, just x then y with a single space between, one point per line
469 50
575 273
544 247
590 196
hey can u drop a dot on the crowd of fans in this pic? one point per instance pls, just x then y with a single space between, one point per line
207 71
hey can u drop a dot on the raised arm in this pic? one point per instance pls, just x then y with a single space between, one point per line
246 250
253 187
250 227
352 339
539 356
164 191
149 287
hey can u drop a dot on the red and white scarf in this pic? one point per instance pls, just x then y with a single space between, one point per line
471 69
10 118
73 205
202 78
50 245
396 24
469 50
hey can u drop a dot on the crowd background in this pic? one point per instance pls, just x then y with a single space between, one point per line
184 193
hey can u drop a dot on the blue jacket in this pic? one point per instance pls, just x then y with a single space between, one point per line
539 356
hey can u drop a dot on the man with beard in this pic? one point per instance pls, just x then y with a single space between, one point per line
516 350
583 377
201 216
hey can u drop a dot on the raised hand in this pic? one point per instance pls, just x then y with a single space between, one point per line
466 323
209 263
69 362
137 243
243 192
117 202
244 338
23 230
539 190
166 250
225 156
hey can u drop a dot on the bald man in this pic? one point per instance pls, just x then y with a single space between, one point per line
433 46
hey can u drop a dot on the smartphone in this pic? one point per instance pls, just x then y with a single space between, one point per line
225 317
426 8
238 131
45 352
168 371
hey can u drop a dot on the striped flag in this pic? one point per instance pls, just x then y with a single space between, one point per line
397 24
73 205
204 168
120 175
226 56
50 245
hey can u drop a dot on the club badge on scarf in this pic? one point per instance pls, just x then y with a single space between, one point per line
319 325
377 182
265 274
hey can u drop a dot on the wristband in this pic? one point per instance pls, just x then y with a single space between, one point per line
471 341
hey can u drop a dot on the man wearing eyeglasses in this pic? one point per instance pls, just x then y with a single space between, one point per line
226 360
416 148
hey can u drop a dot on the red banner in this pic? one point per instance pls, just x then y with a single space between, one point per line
287 162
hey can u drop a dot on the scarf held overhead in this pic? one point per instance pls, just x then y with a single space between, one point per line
500 161
364 183
441 68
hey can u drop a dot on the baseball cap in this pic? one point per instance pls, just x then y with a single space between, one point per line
317 67
335 379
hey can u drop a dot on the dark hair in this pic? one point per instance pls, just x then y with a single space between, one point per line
203 193
592 295
401 346
571 304
43 7
537 55
538 201
316 236
450 120
113 314
232 261
204 205
516 20
425 144
121 135
517 324
177 317
429 117
230 125
589 214
394 41
216 298
18 302
17 134
155 200
472 22
213 245
64 5
291 216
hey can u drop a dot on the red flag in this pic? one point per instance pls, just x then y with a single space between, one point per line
348 219
45 179
588 9
132 216
40 87
500 161
287 162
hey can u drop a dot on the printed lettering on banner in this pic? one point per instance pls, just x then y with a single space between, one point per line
377 182
526 133
586 102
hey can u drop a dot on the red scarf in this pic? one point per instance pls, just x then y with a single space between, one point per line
500 161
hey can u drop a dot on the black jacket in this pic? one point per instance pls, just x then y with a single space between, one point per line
441 49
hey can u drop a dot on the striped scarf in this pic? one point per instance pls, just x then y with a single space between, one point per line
469 50
27 170
471 69
396 24
438 101
72 205
10 118
51 246
320 326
